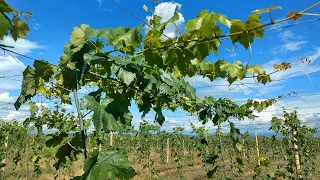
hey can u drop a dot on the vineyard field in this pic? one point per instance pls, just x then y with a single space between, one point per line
152 158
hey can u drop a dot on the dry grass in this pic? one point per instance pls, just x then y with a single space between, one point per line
165 171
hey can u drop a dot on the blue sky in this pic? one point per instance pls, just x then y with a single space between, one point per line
53 21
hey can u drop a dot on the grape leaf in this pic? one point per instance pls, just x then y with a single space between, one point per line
77 37
126 76
264 10
71 147
101 119
255 26
6 25
159 116
239 146
234 69
109 115
20 29
236 27
43 70
28 82
107 164
255 69
294 16
129 39
173 19
244 33
5 7
194 24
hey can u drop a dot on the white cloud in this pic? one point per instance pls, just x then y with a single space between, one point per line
316 55
10 71
67 106
9 64
234 54
13 114
41 105
291 42
6 98
288 35
220 88
298 68
166 10
7 109
100 3
21 46
293 45
36 26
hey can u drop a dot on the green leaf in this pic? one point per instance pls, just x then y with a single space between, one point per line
239 146
55 139
69 146
101 119
253 22
5 7
208 25
264 78
246 40
28 82
126 76
6 25
20 29
129 39
165 88
244 33
111 33
194 24
236 27
159 116
255 69
73 77
28 86
43 70
33 108
110 114
107 164
77 37
224 20
234 68
173 19
211 158
264 10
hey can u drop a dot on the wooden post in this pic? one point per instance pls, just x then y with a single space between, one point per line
100 144
257 145
28 158
5 151
111 138
296 153
184 150
84 149
168 150
244 149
